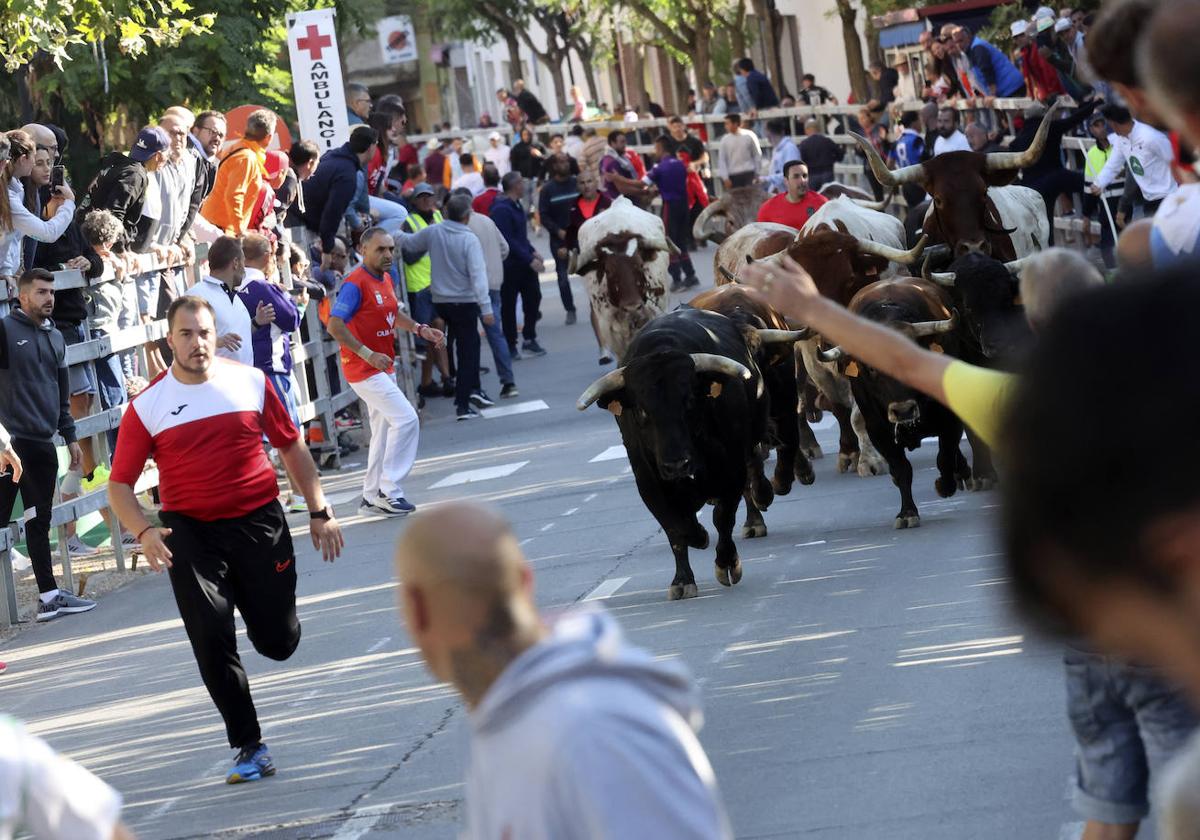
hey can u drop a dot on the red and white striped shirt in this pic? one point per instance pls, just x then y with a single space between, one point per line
206 440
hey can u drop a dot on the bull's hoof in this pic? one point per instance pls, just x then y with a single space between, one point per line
680 591
847 462
781 483
945 487
981 484
804 473
814 414
751 531
699 538
814 453
761 494
910 521
730 576
870 464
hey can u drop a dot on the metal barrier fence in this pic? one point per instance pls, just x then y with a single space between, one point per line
310 356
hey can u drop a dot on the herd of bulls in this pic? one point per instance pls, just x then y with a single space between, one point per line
704 392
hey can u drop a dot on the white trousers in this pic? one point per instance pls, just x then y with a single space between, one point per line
394 433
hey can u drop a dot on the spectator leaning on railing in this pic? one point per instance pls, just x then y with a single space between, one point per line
239 177
16 221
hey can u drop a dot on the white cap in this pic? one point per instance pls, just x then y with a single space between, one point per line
1061 24
1019 27
1044 12
495 135
1043 23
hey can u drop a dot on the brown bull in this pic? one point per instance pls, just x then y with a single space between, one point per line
962 214
735 209
772 347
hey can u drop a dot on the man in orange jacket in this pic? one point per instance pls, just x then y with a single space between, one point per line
240 177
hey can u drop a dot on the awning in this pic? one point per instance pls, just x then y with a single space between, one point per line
898 36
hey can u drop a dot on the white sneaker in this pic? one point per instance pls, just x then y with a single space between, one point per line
77 548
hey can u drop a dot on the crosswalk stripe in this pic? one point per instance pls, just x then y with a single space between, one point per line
482 474
613 453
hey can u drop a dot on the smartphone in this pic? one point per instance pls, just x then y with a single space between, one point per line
58 177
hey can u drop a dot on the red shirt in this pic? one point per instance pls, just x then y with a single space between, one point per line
483 202
206 440
369 310
784 212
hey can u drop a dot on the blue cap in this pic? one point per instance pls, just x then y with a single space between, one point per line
150 141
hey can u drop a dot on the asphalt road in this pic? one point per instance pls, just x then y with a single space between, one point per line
860 682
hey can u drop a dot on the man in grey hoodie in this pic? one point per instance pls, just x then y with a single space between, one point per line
35 402
574 734
459 286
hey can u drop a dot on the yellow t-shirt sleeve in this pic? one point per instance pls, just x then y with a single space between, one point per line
978 396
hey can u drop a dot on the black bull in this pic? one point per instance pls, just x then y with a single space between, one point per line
692 409
899 417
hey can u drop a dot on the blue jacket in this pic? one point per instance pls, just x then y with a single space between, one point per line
761 92
510 219
329 192
992 67
272 343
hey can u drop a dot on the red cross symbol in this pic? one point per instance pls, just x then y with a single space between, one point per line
314 42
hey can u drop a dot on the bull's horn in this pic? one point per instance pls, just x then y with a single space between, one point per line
712 363
830 355
866 246
727 274
1020 160
920 329
876 205
1015 266
913 174
771 336
943 278
612 381
702 221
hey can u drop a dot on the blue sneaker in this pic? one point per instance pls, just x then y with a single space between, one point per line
251 764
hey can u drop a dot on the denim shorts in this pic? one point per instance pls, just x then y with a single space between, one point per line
1128 722
79 376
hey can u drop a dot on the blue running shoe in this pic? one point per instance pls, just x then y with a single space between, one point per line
251 764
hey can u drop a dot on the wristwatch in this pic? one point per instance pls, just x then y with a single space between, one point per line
324 513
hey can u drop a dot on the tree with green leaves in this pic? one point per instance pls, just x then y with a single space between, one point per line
687 27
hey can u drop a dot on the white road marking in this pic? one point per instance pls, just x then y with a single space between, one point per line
571 512
343 497
379 644
589 497
606 589
525 542
547 527
611 454
966 656
814 542
515 408
361 821
481 474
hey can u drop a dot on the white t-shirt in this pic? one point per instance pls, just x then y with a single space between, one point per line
1149 155
232 317
956 142
499 156
472 180
51 796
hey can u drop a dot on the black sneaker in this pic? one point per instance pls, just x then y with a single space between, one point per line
508 390
469 413
429 390
480 399
676 286
691 282
514 353
448 387
533 348
570 317
64 603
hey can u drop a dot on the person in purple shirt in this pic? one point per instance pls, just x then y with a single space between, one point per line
276 317
669 177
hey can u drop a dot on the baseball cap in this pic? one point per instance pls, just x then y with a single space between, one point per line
1019 27
1043 23
150 141
277 166
433 143
1061 24
495 135
422 189
1044 12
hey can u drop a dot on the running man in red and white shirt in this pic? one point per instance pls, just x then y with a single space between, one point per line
364 320
206 416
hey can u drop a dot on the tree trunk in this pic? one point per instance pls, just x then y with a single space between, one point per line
587 59
854 54
737 34
702 57
514 55
554 62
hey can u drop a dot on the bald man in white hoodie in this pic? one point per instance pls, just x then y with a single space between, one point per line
574 734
